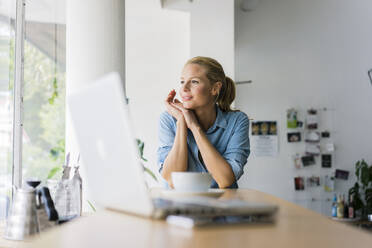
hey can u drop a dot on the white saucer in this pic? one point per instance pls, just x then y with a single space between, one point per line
346 219
177 193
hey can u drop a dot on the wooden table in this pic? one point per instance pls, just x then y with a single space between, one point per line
295 227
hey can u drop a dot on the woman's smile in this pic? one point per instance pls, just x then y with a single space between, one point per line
186 98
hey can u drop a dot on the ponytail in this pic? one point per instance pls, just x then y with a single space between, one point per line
227 95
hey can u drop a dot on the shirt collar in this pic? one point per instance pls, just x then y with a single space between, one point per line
219 122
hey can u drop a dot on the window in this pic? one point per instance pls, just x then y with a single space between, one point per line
43 90
7 38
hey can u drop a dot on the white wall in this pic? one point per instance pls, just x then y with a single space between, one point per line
157 46
306 54
212 32
212 29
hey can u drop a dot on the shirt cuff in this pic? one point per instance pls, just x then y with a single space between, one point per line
236 168
164 184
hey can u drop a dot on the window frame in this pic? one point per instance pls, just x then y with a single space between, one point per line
18 95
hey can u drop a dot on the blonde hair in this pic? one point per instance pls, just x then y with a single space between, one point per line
215 73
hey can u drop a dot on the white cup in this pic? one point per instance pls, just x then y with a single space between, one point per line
191 181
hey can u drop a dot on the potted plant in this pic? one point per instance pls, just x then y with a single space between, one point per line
362 189
141 147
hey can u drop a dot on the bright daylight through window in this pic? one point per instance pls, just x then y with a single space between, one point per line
43 91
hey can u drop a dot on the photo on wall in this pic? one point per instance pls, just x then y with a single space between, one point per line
341 174
312 149
264 128
294 137
299 183
264 139
297 161
255 129
328 148
326 160
312 119
326 134
313 181
312 136
329 183
291 118
308 160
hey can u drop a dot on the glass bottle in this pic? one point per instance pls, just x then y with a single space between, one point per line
63 194
334 206
77 192
346 207
340 207
351 208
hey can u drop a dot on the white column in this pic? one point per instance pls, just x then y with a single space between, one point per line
95 36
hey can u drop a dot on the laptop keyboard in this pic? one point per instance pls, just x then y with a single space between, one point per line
205 206
184 208
162 203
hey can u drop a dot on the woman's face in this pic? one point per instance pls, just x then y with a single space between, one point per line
195 88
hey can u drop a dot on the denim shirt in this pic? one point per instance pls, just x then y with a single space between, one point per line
229 135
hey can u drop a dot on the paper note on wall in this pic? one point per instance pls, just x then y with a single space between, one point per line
264 139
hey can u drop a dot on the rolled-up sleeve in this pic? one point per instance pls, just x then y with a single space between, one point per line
238 148
166 138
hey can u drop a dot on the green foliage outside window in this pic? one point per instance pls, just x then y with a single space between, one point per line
44 112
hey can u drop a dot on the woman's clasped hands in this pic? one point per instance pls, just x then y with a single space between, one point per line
177 110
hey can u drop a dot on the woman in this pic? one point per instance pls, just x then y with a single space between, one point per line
203 133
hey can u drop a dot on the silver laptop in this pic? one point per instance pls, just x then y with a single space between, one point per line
114 173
